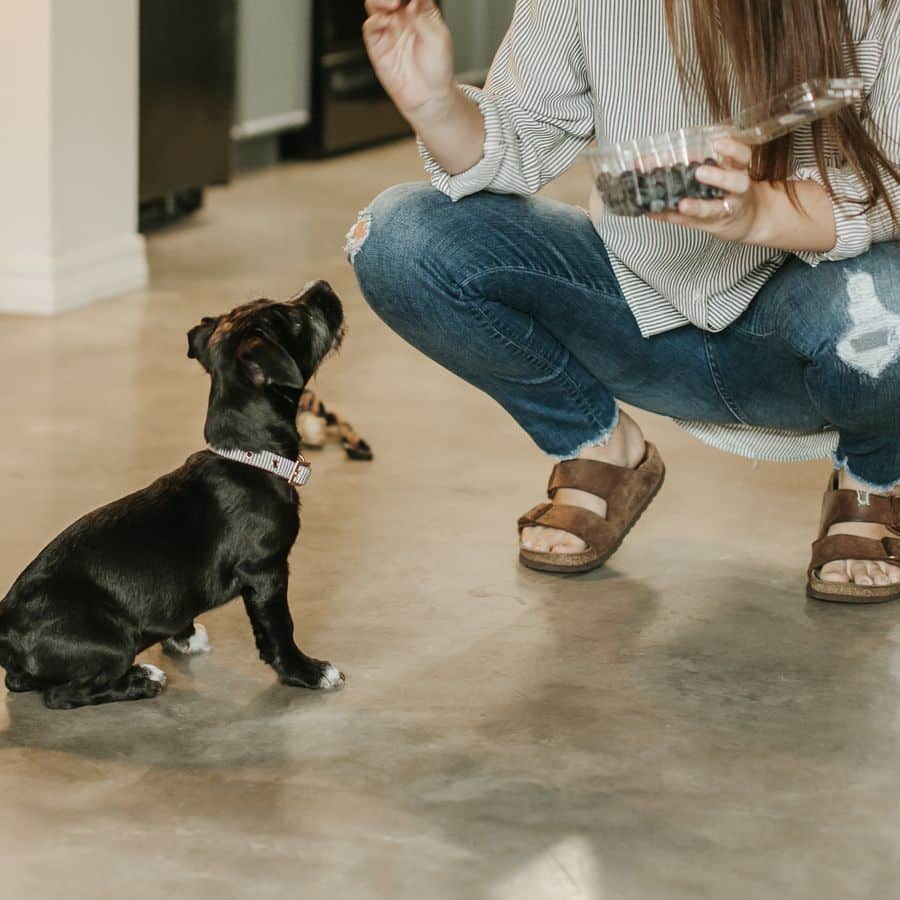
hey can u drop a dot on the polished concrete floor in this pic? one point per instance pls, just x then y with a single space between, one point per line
682 725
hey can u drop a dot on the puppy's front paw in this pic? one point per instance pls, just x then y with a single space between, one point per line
318 676
155 675
195 645
331 678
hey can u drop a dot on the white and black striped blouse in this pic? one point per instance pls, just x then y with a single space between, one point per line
570 71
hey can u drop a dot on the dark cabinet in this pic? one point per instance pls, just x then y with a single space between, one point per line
187 96
349 107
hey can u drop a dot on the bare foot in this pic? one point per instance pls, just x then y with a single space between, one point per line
860 571
626 447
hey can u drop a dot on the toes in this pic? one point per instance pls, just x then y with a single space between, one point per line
890 572
534 539
551 540
540 540
859 572
569 544
835 572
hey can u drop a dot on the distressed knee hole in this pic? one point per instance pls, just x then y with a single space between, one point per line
872 342
358 235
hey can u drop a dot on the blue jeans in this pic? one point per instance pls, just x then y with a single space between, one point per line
517 296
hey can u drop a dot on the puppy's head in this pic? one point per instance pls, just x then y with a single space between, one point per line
265 344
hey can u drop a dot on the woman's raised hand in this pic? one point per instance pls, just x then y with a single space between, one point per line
412 53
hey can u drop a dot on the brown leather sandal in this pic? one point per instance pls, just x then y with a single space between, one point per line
854 506
628 492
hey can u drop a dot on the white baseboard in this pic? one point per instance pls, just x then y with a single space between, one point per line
52 285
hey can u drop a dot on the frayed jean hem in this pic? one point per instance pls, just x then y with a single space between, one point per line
599 440
842 465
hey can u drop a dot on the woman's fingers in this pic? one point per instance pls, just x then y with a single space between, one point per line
734 153
375 28
375 23
416 7
383 6
673 218
732 181
695 214
705 210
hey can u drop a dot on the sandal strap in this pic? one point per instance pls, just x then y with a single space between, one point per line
598 478
594 530
851 546
840 506
618 486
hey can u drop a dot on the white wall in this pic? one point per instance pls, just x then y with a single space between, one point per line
68 153
25 136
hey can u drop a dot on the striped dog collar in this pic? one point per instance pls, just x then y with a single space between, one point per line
294 471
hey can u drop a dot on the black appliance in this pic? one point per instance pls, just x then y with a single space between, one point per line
349 107
187 96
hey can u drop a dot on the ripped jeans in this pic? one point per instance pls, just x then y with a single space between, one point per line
517 297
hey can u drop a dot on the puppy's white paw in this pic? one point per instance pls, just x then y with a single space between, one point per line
154 673
196 644
331 678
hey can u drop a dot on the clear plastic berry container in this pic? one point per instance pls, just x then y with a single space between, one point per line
654 174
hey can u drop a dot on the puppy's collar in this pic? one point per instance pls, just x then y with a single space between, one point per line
296 472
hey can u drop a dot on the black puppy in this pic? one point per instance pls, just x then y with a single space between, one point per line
140 570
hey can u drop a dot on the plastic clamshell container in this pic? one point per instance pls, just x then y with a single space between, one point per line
654 174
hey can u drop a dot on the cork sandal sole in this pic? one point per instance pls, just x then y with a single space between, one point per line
838 592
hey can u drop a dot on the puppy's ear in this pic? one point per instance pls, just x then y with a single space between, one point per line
198 341
266 362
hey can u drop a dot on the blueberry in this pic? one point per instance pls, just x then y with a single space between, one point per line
675 192
642 189
693 188
657 192
709 192
604 184
611 192
631 189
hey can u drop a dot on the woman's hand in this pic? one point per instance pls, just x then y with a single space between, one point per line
412 53
733 218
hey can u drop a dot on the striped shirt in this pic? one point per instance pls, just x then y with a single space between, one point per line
571 71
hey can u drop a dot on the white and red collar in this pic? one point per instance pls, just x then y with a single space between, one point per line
296 472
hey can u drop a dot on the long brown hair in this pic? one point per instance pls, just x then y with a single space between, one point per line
771 45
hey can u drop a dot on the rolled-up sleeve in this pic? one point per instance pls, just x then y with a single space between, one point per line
536 104
857 229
